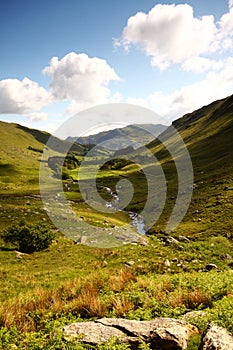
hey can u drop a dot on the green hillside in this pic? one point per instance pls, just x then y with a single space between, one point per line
18 165
20 154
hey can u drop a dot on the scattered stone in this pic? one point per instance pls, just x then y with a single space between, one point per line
169 240
143 242
167 263
129 263
195 261
174 260
217 338
184 239
83 240
160 333
225 257
210 267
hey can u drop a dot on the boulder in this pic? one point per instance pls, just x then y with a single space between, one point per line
217 338
160 333
92 332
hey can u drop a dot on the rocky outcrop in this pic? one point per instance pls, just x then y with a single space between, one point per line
217 338
160 333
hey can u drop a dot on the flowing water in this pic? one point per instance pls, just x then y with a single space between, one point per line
137 220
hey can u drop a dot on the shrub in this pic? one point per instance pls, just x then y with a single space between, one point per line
29 238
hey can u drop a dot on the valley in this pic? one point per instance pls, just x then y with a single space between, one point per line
102 266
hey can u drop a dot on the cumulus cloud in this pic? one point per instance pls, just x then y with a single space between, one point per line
170 34
20 97
79 78
230 3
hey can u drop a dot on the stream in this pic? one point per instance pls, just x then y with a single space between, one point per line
137 220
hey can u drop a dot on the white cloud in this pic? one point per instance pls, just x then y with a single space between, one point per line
170 34
81 79
230 4
19 97
225 34
216 85
201 64
37 116
138 101
116 98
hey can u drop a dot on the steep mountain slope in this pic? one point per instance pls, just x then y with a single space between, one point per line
208 136
141 133
207 133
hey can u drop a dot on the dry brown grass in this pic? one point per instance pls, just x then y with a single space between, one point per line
191 299
122 305
81 297
119 282
97 296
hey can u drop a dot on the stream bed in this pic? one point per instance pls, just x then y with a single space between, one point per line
137 220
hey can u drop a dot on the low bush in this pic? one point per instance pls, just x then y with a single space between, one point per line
29 238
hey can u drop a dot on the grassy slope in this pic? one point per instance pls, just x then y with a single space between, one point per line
18 165
67 281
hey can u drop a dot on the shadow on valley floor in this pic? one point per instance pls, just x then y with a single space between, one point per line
7 169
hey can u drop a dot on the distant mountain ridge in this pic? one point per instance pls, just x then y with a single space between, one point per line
141 134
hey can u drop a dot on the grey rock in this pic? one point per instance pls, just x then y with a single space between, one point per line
83 240
210 267
160 333
170 241
217 338
193 315
184 239
92 332
174 260
129 263
167 263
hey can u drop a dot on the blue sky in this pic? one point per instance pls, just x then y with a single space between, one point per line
60 57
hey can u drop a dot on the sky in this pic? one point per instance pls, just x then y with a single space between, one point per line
61 57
